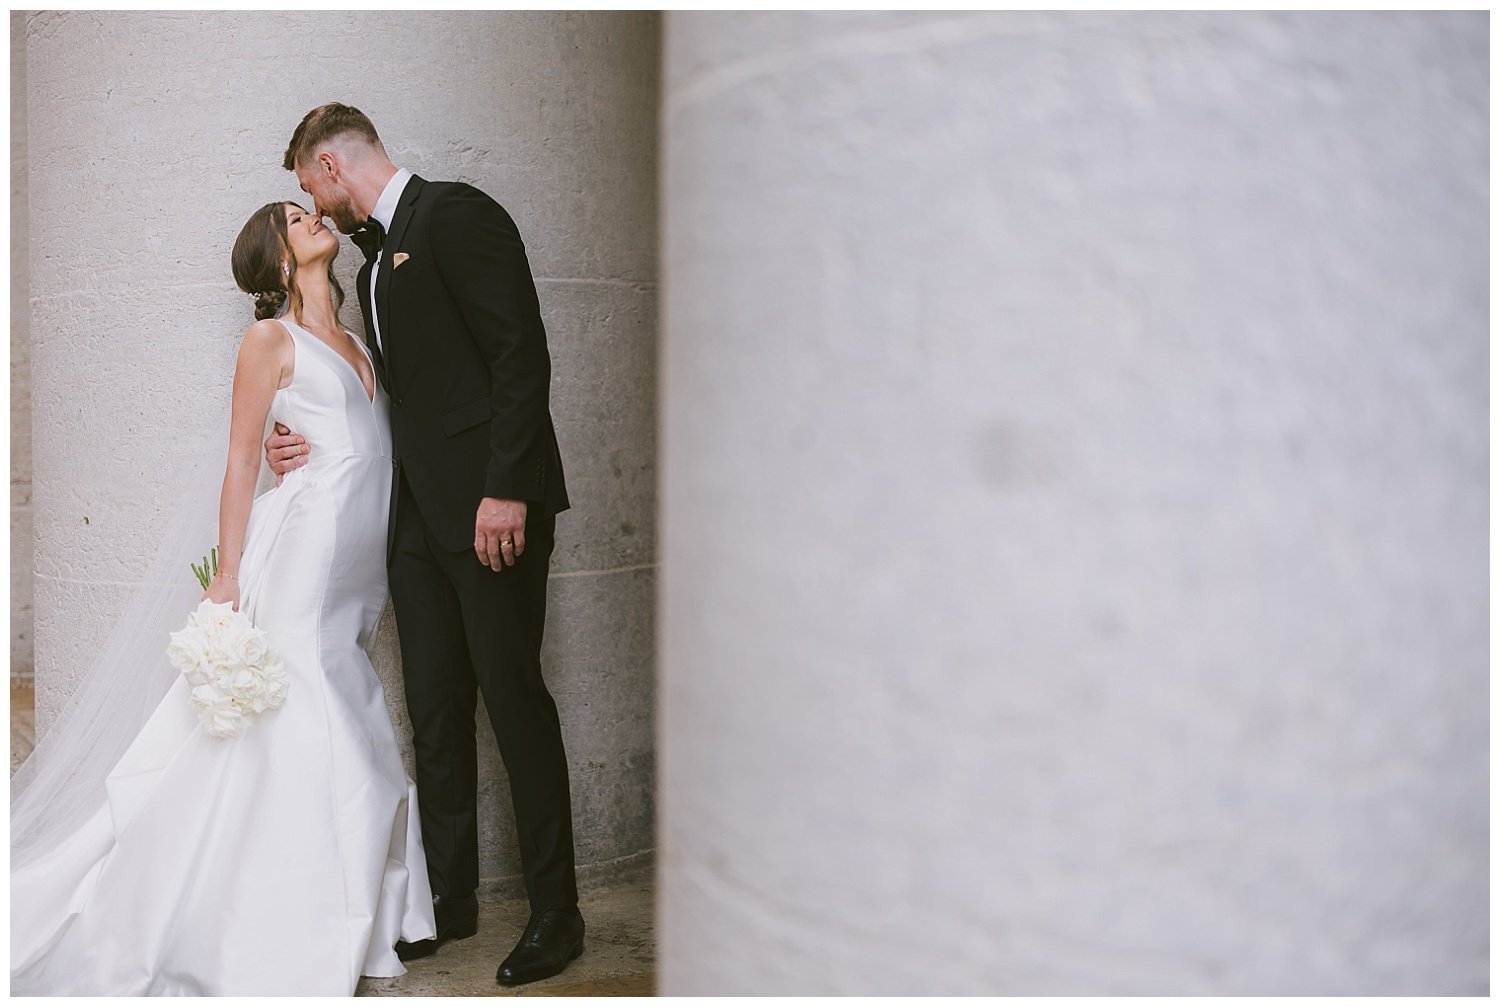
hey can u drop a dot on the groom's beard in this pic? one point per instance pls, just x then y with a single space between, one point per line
344 216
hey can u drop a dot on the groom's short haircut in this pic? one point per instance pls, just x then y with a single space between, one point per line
324 123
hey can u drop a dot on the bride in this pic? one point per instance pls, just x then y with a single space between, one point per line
286 860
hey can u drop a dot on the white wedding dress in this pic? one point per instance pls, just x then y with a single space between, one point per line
286 860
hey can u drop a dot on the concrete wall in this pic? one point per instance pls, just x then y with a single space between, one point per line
1074 494
21 650
153 136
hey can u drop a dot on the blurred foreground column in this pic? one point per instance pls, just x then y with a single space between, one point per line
1074 504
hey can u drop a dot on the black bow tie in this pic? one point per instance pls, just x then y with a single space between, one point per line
370 239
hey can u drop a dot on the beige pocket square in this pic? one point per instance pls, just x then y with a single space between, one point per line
398 258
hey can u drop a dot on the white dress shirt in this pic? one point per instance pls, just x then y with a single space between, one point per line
385 212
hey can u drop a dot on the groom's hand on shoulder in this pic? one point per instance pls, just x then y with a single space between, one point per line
285 451
499 532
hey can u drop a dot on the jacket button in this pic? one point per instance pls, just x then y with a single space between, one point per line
396 403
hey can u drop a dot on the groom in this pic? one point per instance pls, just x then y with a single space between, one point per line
453 324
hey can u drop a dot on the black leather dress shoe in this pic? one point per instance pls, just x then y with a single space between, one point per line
553 938
457 917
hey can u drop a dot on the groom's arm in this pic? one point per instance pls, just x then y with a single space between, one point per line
285 451
482 261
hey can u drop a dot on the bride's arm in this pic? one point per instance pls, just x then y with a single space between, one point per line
264 365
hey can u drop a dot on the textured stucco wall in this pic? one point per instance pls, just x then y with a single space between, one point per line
21 651
1074 504
152 138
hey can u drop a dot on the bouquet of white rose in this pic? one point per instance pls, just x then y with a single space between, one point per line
233 669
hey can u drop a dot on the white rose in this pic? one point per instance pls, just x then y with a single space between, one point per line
276 687
213 617
251 648
186 648
226 724
219 670
245 685
217 712
235 627
207 696
220 650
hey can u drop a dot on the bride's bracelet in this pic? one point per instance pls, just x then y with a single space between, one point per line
229 575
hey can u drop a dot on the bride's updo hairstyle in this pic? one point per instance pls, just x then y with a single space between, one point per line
257 259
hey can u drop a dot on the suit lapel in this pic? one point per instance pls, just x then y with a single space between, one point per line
393 245
362 286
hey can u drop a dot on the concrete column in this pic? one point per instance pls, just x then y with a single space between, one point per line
21 612
154 135
1074 504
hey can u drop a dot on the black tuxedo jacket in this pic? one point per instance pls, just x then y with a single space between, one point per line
465 361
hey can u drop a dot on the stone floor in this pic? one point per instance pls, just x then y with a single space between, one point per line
22 723
619 946
618 953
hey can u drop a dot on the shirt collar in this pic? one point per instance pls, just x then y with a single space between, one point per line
390 196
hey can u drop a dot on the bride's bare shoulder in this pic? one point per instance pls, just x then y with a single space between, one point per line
267 338
267 345
267 332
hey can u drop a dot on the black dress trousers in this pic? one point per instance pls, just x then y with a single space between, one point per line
465 631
